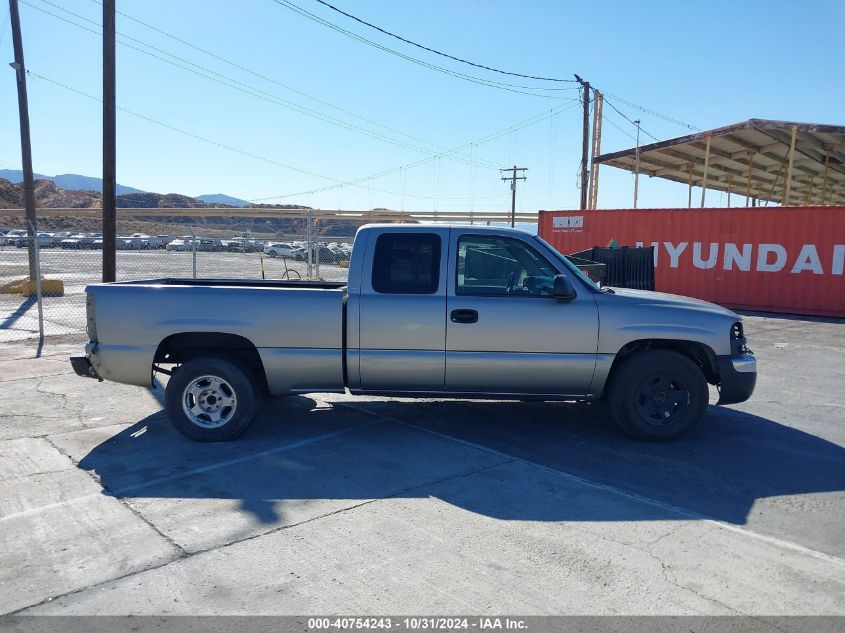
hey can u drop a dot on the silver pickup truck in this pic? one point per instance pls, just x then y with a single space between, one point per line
429 310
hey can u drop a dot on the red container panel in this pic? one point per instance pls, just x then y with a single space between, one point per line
765 258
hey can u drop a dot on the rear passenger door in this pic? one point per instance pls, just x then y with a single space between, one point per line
402 327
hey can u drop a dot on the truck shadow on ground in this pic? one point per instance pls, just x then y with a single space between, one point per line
368 449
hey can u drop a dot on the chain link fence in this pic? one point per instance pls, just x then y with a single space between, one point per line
209 243
308 248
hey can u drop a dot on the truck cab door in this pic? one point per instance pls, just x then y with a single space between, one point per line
505 331
401 308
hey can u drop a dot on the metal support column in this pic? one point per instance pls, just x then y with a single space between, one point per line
309 246
788 181
37 251
689 180
706 167
637 166
730 183
593 193
824 178
750 170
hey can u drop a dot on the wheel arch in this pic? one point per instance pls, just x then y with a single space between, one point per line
699 353
179 348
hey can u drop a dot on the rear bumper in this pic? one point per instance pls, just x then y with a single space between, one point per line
737 378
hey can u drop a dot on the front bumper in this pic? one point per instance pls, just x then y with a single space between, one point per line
737 377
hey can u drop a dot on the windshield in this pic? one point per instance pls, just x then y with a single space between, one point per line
568 264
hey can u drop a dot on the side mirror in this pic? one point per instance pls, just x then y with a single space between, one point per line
563 289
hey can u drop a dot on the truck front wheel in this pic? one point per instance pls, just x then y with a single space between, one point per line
658 395
211 400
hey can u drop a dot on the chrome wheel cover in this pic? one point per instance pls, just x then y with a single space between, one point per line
209 402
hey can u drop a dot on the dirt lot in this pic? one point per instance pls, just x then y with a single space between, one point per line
332 504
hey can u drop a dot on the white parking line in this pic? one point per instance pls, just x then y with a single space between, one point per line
239 460
618 491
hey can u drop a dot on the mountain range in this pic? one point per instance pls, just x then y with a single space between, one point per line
77 182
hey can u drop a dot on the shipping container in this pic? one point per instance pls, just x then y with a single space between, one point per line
778 259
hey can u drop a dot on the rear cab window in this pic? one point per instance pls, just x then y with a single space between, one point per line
406 263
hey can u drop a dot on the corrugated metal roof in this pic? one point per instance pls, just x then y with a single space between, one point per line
750 158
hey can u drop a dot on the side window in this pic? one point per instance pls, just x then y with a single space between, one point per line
407 263
491 265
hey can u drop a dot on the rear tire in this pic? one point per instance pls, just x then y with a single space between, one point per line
211 400
658 395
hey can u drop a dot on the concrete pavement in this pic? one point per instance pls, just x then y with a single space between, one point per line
334 504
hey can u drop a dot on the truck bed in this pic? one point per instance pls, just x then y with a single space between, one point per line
297 327
252 283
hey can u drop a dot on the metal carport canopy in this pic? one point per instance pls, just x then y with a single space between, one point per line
778 161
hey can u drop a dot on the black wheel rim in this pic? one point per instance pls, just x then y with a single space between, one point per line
662 399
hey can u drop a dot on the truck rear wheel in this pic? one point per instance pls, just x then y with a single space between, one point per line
658 395
211 400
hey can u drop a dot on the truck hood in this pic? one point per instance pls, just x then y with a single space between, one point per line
658 299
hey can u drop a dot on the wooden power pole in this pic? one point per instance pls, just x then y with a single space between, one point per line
26 147
585 141
513 178
109 145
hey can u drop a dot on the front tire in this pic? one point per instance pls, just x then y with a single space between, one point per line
658 395
211 400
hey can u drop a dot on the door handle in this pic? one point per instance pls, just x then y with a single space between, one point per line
464 316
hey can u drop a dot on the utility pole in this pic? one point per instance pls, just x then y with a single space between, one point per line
109 145
26 147
637 165
585 140
513 178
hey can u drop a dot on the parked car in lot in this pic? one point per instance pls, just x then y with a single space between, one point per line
209 244
78 241
428 311
243 245
44 240
327 255
279 249
182 243
10 238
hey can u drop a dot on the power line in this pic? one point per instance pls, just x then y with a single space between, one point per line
264 77
231 148
248 89
202 138
5 22
629 120
653 113
436 52
495 135
485 82
315 18
620 128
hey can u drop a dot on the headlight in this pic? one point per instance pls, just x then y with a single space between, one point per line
736 331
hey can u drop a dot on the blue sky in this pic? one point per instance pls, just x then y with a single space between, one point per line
705 63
